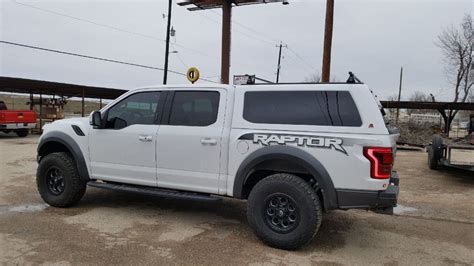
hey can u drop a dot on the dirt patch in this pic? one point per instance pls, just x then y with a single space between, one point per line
118 228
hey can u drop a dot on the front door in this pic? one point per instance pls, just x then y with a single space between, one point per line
189 141
124 149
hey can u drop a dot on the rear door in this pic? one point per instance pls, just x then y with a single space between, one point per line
189 140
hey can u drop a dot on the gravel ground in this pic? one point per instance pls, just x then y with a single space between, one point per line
434 225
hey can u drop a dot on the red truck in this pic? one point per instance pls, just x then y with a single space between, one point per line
18 121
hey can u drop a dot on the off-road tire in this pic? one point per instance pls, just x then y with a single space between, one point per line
432 162
22 132
307 203
74 187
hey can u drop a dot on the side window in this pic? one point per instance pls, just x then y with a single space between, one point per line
320 108
139 108
194 108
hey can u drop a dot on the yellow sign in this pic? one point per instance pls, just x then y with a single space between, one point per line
193 74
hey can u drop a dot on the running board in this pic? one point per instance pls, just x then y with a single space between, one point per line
154 191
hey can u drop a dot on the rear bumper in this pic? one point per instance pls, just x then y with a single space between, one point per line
13 126
381 201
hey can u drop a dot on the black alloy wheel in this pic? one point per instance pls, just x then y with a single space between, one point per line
55 180
281 214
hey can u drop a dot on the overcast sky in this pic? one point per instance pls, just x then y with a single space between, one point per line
372 38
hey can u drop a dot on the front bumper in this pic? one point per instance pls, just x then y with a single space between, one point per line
381 201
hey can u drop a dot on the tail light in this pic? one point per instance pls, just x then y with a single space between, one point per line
381 161
2 116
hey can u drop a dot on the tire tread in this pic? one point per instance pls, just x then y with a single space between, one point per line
316 209
78 186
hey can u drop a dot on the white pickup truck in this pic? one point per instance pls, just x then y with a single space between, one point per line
293 151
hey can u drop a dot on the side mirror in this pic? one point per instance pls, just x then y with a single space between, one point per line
96 119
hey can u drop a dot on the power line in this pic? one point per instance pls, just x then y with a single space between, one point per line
301 58
111 27
244 33
179 58
256 35
298 63
269 40
88 21
94 58
121 30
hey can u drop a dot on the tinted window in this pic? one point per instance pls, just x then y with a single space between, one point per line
194 108
323 108
139 108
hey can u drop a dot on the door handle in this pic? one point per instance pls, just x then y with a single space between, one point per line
208 141
144 138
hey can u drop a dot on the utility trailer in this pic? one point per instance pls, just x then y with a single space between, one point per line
456 155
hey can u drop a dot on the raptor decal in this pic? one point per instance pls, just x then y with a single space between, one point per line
300 140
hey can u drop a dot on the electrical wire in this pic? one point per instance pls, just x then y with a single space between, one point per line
95 58
269 40
179 58
113 28
125 31
88 21
256 35
244 33
301 58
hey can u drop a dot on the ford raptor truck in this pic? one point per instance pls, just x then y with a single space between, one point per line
292 151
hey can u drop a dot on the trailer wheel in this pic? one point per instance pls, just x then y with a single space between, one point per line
22 132
432 162
437 145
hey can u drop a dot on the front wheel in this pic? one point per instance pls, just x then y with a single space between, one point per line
284 211
58 180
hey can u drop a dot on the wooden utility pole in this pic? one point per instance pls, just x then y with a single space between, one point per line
167 49
226 40
226 6
400 92
326 73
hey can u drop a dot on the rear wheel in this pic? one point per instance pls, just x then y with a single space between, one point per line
284 211
22 132
58 180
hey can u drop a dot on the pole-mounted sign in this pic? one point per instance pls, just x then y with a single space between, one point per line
192 74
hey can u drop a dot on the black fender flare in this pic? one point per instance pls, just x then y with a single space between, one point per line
293 154
71 145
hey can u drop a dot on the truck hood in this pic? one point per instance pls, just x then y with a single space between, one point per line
82 122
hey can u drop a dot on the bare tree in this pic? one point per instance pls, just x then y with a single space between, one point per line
419 96
316 77
392 111
457 47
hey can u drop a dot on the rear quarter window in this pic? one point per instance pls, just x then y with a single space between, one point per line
319 108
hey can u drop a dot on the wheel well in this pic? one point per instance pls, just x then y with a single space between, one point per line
51 147
274 166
